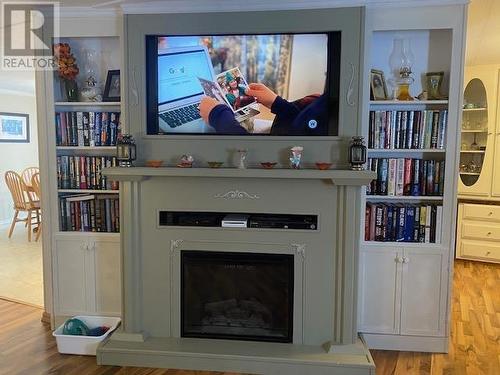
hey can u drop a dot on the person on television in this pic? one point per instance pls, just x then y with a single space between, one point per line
306 116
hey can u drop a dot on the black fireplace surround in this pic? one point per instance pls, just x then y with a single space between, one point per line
239 296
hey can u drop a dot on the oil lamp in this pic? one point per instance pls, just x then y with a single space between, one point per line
125 150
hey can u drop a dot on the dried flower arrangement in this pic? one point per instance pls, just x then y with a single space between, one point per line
66 62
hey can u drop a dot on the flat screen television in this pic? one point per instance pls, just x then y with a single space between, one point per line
252 84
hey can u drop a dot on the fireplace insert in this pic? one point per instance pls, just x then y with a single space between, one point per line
234 295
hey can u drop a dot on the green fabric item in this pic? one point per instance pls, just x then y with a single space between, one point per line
75 327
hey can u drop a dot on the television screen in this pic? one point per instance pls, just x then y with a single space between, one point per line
278 84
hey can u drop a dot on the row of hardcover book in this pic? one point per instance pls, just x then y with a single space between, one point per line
87 128
407 129
405 176
403 222
89 213
84 172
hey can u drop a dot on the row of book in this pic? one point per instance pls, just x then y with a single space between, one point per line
403 223
84 172
87 128
407 129
89 213
405 176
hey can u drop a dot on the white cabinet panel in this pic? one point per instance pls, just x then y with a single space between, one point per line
107 278
379 295
71 277
87 276
423 292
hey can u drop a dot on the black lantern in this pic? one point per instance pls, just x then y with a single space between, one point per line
125 150
357 153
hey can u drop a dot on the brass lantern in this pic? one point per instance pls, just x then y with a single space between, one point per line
125 150
357 153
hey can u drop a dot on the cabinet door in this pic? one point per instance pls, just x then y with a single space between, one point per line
424 292
107 277
379 290
72 271
477 138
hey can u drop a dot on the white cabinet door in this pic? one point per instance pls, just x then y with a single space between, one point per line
71 277
380 290
424 292
107 277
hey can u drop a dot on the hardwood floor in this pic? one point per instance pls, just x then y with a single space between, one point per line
27 346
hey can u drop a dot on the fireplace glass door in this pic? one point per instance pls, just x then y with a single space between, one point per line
241 296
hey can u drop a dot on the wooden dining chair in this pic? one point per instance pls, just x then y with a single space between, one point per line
26 175
35 184
22 202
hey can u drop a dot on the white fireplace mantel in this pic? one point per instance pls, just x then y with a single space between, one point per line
338 177
325 335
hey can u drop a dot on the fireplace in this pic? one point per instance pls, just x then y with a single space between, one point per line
237 295
260 300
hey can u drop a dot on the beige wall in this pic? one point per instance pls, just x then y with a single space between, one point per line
16 156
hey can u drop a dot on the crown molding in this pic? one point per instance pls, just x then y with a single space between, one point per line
88 12
209 6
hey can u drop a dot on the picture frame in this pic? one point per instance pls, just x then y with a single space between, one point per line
377 85
433 83
112 87
14 127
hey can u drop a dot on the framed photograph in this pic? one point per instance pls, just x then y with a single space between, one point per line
377 84
112 88
14 127
433 83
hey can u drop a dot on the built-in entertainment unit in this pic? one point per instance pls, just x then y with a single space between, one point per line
250 84
322 64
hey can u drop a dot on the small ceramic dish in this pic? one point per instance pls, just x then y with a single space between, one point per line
154 163
323 165
215 164
268 164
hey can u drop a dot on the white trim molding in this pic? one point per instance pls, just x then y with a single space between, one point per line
195 6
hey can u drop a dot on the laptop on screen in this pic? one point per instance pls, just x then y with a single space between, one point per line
180 91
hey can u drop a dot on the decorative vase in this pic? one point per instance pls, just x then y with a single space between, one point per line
71 90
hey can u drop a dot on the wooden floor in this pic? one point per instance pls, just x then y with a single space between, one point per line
27 346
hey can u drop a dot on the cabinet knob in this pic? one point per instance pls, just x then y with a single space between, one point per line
488 252
490 213
399 260
406 260
488 234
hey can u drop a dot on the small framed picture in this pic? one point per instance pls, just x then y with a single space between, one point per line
377 84
433 83
112 88
14 127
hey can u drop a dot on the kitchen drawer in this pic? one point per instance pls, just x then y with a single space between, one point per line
481 212
480 249
476 230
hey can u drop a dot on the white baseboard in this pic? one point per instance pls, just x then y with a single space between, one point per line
406 343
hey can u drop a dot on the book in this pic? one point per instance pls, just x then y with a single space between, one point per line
391 178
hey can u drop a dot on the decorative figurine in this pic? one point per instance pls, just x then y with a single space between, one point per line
357 153
125 150
243 158
186 161
296 156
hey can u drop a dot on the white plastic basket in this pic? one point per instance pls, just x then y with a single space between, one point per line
84 345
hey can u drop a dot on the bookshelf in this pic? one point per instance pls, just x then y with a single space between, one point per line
84 210
408 272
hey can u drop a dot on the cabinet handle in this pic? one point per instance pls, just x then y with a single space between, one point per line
488 234
488 252
490 213
406 260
